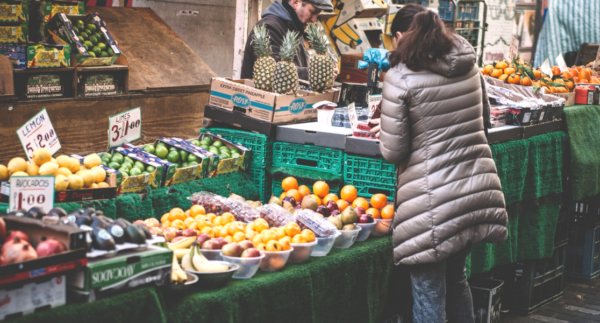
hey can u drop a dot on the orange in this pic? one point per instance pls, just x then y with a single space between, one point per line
239 236
503 77
250 234
196 210
570 85
292 229
514 79
348 193
176 213
210 216
178 224
585 74
330 197
208 231
574 72
289 183
227 218
360 202
250 226
559 81
261 246
304 190
257 239
318 199
282 196
374 213
378 201
165 217
488 69
166 224
217 221
189 221
285 243
555 70
537 74
187 213
387 213
321 188
236 227
585 81
342 205
308 235
274 246
525 81
496 72
482 71
299 239
295 194
260 225
268 235
217 230
200 218
509 70
281 232
224 232
501 64
567 75
576 79
229 239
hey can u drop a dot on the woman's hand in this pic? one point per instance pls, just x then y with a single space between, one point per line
377 128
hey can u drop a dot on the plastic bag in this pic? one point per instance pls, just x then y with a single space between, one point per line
275 215
242 211
308 219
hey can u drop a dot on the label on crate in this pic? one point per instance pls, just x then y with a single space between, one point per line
29 191
124 127
513 50
101 84
38 132
44 86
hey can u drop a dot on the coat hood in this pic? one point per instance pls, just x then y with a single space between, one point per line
278 10
459 61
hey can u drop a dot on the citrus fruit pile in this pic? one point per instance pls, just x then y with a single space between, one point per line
92 39
217 147
179 157
126 165
68 172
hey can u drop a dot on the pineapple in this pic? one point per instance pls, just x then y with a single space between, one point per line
320 70
286 75
264 64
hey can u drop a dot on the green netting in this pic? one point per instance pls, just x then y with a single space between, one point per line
583 125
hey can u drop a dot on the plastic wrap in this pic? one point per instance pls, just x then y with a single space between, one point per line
275 215
211 202
242 211
308 219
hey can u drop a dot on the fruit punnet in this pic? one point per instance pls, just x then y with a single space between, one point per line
285 78
264 66
321 66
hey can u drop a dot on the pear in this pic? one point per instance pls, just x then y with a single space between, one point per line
336 221
275 200
349 227
309 203
349 216
288 206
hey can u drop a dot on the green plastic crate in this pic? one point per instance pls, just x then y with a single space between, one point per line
308 157
262 180
277 190
261 145
370 176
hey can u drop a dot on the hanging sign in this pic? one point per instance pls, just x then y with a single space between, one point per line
38 132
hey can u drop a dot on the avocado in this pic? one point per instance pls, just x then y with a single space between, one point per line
83 220
98 222
89 211
73 218
78 211
117 233
58 211
37 212
66 222
88 237
104 218
144 229
102 240
92 54
135 235
123 223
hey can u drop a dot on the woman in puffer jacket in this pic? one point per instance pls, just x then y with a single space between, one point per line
448 194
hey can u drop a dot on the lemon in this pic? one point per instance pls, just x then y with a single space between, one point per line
94 185
41 156
75 182
18 174
49 169
64 161
3 173
64 171
92 160
32 169
17 164
53 161
99 173
103 185
61 183
87 176
74 168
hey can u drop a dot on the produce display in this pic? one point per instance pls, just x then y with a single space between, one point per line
40 56
125 164
92 38
285 76
217 147
321 74
264 67
177 156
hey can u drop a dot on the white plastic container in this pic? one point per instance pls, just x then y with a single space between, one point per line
366 230
346 238
324 116
248 266
382 228
274 260
302 252
323 246
212 254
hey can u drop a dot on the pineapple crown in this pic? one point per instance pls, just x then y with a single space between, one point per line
261 41
317 40
289 46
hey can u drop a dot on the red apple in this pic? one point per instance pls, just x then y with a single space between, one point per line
221 242
189 233
203 237
211 245
332 206
232 250
250 253
246 244
359 210
366 218
170 234
335 212
323 210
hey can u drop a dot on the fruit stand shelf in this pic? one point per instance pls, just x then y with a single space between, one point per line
43 70
102 68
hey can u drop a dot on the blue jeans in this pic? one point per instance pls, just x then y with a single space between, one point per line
440 290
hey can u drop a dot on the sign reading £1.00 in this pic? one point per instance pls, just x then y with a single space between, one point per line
29 191
38 132
124 127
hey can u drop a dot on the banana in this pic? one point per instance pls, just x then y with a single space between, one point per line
186 262
183 243
177 275
198 259
212 268
180 253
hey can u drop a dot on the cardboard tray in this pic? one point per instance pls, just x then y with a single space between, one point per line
314 133
541 128
361 146
124 247
74 258
229 165
506 133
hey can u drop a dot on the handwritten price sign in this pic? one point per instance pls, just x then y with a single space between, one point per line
124 127
29 191
38 132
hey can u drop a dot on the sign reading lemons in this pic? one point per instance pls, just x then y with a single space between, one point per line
38 132
124 127
241 100
29 191
297 106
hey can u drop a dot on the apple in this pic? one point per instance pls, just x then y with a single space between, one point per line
221 242
177 239
189 233
170 234
335 212
246 244
211 245
323 210
203 237
232 250
251 253
366 218
359 210
290 199
331 206
179 231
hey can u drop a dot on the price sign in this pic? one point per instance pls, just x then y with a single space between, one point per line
560 61
38 132
124 127
513 50
29 191
546 68
352 115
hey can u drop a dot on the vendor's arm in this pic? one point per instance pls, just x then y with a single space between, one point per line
485 100
395 126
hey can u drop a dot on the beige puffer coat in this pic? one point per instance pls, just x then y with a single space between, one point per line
448 191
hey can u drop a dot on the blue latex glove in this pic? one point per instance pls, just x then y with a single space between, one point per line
375 56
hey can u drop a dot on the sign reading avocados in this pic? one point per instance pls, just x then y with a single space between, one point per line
44 86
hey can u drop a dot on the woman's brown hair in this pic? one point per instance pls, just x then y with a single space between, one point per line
426 41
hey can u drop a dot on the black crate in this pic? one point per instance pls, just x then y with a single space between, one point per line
583 253
585 213
561 236
487 299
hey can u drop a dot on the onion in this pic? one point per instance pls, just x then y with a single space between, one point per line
16 233
50 247
18 251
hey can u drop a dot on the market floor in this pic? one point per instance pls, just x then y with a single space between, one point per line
569 308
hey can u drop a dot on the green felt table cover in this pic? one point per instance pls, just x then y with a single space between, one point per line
583 127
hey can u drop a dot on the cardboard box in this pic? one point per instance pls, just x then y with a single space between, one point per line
569 98
139 183
105 276
389 17
350 72
239 120
228 165
17 54
242 96
361 9
358 35
74 258
168 169
29 297
60 31
206 168
314 133
47 56
49 9
14 11
14 33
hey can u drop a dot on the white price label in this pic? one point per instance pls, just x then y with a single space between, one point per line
513 50
38 132
546 69
125 127
29 191
352 115
560 61
597 61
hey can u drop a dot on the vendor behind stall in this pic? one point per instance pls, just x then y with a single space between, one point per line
281 16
